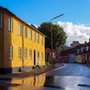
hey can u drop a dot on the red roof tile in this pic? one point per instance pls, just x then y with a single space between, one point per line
66 52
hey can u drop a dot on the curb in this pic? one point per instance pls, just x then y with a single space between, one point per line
56 68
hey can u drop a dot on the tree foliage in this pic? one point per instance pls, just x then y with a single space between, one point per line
58 34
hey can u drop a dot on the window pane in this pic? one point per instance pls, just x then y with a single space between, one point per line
10 52
30 53
35 36
0 21
30 34
25 32
9 24
19 29
25 53
19 53
38 55
87 48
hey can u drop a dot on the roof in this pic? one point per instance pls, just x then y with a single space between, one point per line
79 46
84 45
66 52
6 10
87 44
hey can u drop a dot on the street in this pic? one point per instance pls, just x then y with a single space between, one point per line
71 77
67 77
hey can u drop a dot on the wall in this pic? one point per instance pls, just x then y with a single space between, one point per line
2 44
12 38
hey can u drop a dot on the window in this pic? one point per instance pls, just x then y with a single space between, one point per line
19 29
0 21
9 24
83 57
25 53
25 32
19 53
42 56
35 36
77 50
38 55
30 54
86 57
81 49
10 52
38 38
87 48
89 57
30 34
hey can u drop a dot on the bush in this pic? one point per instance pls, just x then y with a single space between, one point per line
36 67
48 64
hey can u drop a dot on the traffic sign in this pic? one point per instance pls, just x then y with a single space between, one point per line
48 50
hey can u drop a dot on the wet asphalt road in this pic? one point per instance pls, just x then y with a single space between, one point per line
70 77
67 77
72 70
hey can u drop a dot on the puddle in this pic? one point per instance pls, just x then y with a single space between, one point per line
55 82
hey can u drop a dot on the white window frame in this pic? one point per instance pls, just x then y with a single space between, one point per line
19 29
25 53
10 24
10 52
19 53
87 48
35 36
30 54
30 34
25 32
38 55
0 20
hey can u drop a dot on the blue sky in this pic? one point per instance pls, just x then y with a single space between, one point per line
76 13
38 11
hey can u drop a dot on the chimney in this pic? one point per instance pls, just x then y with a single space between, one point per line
85 42
89 39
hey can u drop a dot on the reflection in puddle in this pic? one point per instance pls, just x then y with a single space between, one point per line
30 82
37 82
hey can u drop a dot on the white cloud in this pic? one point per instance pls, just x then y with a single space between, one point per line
75 32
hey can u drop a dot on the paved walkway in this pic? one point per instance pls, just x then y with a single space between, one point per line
33 72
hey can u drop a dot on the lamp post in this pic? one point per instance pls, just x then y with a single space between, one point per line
52 36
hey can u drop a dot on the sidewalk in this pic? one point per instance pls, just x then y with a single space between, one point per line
33 72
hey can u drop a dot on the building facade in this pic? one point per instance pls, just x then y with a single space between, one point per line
78 54
22 46
74 44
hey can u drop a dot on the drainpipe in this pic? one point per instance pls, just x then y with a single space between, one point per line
22 47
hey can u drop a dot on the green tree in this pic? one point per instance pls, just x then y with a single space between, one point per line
58 34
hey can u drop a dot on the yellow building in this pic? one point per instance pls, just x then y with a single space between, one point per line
21 45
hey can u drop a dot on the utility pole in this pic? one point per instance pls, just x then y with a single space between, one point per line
52 36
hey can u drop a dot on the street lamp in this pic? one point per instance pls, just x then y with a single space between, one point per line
52 36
